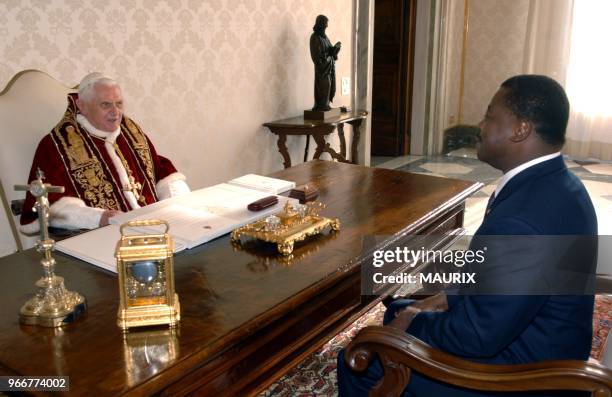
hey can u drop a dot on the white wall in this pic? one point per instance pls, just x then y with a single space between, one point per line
494 51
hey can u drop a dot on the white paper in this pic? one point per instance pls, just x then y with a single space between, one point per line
194 219
263 183
98 246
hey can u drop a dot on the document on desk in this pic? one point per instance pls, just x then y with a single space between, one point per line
263 183
194 219
204 214
96 247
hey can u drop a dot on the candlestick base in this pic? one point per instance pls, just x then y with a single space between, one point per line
53 305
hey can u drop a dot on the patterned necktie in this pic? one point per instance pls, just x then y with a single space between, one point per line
489 204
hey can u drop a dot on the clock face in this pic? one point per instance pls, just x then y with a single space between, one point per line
145 281
144 272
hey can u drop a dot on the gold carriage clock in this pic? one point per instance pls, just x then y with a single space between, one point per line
146 278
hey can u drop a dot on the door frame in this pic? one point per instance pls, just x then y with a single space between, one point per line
427 68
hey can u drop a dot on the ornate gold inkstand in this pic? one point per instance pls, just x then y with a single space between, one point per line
294 223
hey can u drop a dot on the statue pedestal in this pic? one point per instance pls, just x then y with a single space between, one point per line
321 114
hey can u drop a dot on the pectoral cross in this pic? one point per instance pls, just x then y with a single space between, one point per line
40 190
133 187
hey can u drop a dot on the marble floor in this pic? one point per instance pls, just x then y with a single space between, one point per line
463 164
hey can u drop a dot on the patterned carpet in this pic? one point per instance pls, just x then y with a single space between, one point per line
602 322
316 375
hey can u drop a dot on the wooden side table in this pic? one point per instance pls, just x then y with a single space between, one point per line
319 129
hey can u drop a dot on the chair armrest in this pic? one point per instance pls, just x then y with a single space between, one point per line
400 353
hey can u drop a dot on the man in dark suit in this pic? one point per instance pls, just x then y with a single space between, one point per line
522 134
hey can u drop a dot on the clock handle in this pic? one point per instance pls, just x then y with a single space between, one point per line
144 222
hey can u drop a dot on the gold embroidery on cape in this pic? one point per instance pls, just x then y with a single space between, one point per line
138 138
77 154
141 146
97 190
85 168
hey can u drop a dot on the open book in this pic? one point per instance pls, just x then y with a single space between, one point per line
194 219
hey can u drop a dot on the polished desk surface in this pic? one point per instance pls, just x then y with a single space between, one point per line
227 294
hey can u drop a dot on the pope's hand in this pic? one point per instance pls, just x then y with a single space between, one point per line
108 214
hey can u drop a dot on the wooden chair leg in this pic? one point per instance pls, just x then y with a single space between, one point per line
306 150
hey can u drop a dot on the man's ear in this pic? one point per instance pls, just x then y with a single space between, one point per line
522 131
81 105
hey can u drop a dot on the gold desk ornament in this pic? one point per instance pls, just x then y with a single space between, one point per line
294 223
146 278
53 305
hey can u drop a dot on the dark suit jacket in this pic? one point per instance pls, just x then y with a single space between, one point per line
545 199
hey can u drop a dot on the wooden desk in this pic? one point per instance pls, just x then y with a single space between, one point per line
319 129
246 318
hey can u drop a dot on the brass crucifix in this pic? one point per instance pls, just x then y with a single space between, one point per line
52 305
40 190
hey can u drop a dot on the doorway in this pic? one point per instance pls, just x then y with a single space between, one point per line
392 75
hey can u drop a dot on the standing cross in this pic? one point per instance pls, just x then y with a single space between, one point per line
52 305
40 190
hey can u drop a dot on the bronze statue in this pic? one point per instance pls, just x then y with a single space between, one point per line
323 55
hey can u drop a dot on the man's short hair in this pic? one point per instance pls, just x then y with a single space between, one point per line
542 101
86 85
